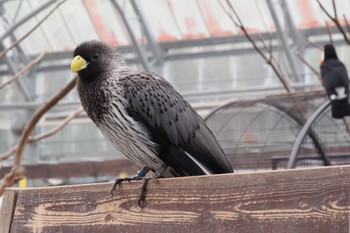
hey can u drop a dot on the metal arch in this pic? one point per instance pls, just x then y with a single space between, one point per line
310 132
282 115
303 132
229 119
230 102
292 116
251 122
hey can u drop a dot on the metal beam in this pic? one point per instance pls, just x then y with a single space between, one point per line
132 36
25 19
284 41
156 50
294 33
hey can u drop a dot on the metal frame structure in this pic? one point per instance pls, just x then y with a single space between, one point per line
304 123
307 130
162 52
152 55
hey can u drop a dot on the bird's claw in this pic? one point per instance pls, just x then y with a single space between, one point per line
155 180
118 181
142 197
140 176
142 203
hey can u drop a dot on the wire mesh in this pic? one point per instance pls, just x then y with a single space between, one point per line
259 134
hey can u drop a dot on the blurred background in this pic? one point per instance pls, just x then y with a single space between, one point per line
263 119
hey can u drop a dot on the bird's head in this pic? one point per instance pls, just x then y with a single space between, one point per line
93 58
329 52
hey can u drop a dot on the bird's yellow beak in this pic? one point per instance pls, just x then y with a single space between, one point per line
78 63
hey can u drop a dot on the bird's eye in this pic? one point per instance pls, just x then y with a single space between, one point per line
95 56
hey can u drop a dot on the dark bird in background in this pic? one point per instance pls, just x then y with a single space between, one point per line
144 117
336 82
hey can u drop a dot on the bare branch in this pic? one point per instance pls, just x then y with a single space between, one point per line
234 12
315 45
347 23
31 30
8 153
46 134
229 15
308 65
58 127
335 20
269 60
17 168
329 33
267 47
335 10
27 67
325 10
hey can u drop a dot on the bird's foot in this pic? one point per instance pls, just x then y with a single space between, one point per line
139 176
120 180
158 173
142 197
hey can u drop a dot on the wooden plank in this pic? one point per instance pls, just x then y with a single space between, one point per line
303 200
7 209
77 169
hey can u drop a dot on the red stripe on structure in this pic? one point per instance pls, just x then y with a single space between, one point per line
191 24
308 18
212 21
104 34
165 36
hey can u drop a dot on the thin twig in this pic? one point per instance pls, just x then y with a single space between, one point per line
31 30
329 32
27 67
347 23
335 19
58 127
335 10
308 65
17 169
325 10
46 134
272 62
315 45
267 47
229 15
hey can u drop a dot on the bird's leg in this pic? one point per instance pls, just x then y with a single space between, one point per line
158 173
139 175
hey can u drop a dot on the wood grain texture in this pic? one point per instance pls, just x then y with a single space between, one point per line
7 210
305 200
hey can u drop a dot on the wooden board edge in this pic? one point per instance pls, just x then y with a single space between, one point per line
9 200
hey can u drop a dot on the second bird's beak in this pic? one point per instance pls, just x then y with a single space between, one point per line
78 63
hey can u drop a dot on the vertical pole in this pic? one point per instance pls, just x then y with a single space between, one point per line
132 36
284 41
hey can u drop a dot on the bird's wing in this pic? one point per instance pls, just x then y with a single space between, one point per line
334 74
165 110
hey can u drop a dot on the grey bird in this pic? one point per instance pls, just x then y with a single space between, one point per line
336 82
144 117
